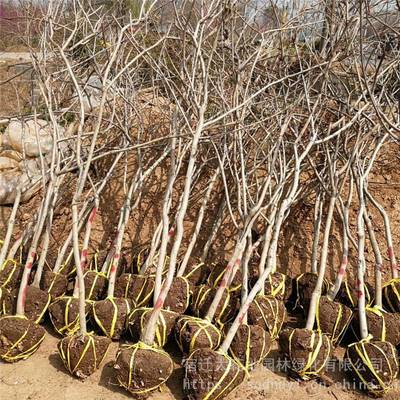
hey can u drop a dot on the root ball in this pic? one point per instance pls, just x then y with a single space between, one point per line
11 274
83 354
211 375
197 274
269 313
374 364
19 337
348 294
111 316
142 369
202 299
138 320
137 288
64 314
250 345
95 285
36 304
308 351
304 287
382 326
279 285
218 272
54 283
177 299
6 302
333 318
391 295
193 333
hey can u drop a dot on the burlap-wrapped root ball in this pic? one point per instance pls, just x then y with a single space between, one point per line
202 298
54 283
64 314
111 316
6 301
381 325
374 364
348 294
19 337
333 318
267 312
142 369
11 274
137 288
391 295
250 346
304 288
193 333
83 354
139 317
211 375
95 285
308 351
178 296
279 285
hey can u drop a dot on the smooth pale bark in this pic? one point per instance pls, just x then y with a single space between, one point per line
378 259
285 204
361 265
149 333
32 251
173 172
135 187
85 246
245 275
388 234
323 262
267 242
155 241
18 244
317 230
46 235
10 227
199 222
126 209
214 230
333 291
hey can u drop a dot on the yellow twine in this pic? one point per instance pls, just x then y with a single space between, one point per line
114 319
392 284
135 348
25 354
203 327
362 353
223 377
306 372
